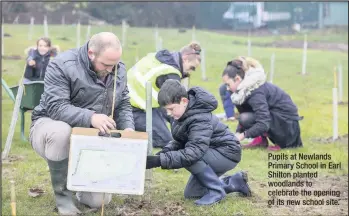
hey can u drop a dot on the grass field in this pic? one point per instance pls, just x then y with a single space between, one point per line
311 92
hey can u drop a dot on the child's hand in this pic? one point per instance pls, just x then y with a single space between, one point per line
153 161
240 136
31 63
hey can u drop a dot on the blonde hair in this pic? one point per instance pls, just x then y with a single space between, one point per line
193 49
248 62
240 66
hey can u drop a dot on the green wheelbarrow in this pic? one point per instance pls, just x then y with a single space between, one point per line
30 99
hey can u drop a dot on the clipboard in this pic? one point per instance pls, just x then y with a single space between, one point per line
107 164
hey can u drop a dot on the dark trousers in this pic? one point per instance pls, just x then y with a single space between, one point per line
216 161
161 133
282 132
226 100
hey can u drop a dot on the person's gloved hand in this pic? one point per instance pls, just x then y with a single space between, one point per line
153 161
162 151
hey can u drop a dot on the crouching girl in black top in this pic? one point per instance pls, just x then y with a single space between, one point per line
266 111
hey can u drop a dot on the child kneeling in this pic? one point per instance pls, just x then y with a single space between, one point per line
201 144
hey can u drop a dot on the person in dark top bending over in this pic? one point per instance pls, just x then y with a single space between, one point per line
266 111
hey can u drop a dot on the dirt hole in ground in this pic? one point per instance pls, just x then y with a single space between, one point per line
12 158
135 207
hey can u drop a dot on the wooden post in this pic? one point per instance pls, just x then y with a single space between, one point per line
136 57
88 32
45 27
249 45
13 198
156 36
31 28
149 126
340 82
78 34
124 32
272 62
304 61
160 44
335 107
335 114
203 65
2 38
186 83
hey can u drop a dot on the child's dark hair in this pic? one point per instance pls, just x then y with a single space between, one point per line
171 92
45 39
240 66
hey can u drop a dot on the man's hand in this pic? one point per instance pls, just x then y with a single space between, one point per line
153 161
240 136
31 63
103 123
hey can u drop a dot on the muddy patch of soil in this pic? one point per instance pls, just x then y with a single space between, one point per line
12 158
135 207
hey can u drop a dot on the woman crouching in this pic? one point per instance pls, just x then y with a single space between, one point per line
266 111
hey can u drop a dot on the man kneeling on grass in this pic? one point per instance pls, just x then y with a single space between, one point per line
201 144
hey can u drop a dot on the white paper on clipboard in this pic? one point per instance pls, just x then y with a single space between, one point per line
106 164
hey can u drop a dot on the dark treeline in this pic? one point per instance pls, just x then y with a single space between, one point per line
163 14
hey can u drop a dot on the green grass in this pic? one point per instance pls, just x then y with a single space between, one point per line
312 93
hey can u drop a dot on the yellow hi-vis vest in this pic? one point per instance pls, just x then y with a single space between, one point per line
146 69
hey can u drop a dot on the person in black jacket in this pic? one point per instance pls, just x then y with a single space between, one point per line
201 144
38 59
265 109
